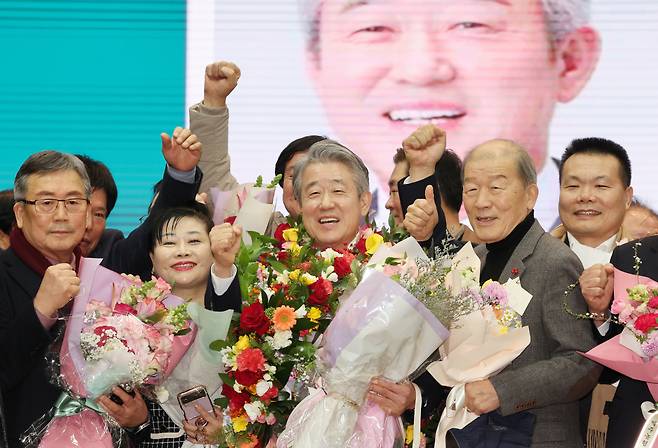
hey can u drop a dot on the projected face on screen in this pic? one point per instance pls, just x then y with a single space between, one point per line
480 69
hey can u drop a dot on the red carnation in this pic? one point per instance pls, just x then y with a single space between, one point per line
282 255
236 400
125 309
230 219
343 265
253 318
646 322
361 246
320 291
278 233
247 377
653 302
251 359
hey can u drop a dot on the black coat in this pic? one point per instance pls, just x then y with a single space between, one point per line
626 418
26 390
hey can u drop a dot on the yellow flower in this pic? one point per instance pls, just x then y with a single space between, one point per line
308 279
290 234
373 242
294 275
314 314
240 423
486 283
292 247
503 329
242 344
409 436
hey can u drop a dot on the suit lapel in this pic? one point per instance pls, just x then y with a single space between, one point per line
28 280
515 265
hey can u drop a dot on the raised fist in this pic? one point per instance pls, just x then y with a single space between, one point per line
423 149
422 216
183 151
59 285
220 80
225 242
597 286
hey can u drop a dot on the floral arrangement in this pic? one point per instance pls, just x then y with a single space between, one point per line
291 291
129 341
638 311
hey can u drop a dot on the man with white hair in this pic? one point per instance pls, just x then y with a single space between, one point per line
479 69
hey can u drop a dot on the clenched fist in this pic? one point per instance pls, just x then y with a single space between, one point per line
225 242
183 151
59 285
422 216
221 78
423 149
597 286
481 397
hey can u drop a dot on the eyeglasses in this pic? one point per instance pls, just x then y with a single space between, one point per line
49 205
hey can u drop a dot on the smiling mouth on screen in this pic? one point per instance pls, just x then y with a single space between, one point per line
419 115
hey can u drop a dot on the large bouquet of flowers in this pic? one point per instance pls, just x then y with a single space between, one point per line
122 331
481 343
291 291
401 290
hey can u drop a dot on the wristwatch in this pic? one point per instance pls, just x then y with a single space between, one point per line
141 431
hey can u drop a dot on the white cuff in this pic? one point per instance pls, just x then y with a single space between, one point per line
220 285
604 327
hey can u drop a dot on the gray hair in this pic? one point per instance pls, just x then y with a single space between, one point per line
562 17
326 151
45 162
524 163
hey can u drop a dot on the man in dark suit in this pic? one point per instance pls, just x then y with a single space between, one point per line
549 377
37 274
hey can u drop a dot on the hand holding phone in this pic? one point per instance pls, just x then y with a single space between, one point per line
189 399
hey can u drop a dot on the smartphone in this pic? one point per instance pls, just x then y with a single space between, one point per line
189 398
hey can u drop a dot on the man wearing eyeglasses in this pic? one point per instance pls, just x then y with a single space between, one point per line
38 273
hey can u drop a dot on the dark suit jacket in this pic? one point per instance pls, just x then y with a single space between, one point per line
626 418
26 390
416 190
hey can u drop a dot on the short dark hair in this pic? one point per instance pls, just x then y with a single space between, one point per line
101 179
597 145
7 218
399 156
169 218
448 173
300 145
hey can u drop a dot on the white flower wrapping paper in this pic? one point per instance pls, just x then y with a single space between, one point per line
251 206
358 346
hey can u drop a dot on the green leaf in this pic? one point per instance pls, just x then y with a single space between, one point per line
183 332
303 348
283 372
156 317
226 379
259 182
221 402
264 299
219 345
304 323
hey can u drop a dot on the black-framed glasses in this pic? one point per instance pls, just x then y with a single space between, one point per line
49 205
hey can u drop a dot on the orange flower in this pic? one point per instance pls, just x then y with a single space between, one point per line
284 318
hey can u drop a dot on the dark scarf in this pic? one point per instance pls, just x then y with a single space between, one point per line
500 252
32 257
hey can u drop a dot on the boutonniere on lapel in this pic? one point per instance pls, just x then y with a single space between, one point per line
515 273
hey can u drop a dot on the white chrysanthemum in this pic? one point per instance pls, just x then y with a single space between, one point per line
281 339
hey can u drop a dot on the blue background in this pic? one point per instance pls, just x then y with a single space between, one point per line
99 78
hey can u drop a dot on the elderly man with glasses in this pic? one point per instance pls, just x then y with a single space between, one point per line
38 275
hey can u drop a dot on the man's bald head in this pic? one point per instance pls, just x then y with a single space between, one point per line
500 149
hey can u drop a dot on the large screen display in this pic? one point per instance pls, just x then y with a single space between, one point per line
368 72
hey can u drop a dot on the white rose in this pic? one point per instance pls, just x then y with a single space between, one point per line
282 339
